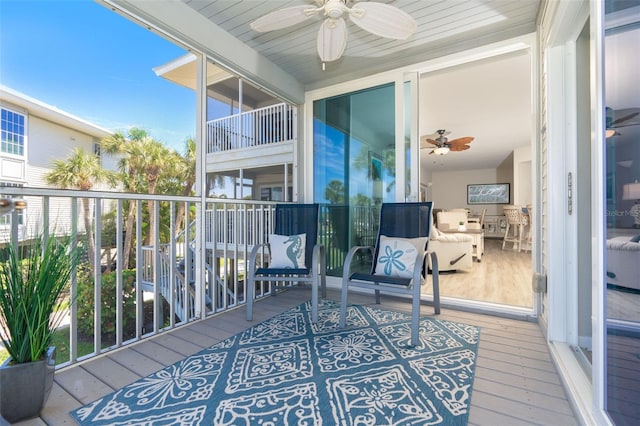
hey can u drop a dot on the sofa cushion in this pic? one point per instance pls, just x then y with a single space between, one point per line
623 243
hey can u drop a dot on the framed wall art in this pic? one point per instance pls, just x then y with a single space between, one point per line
488 193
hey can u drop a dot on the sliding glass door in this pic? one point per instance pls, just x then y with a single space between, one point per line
622 252
354 167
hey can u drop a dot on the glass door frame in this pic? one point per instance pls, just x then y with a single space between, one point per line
410 75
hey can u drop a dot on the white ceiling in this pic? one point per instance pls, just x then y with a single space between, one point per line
489 100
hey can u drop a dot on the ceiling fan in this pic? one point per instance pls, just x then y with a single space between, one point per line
620 118
377 18
444 145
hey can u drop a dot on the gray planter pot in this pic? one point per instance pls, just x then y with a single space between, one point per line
24 388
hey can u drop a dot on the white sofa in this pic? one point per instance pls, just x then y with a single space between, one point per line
454 251
623 262
450 219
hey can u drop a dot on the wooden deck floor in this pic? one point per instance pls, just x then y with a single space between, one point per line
516 382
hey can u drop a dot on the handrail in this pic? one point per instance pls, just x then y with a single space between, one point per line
262 126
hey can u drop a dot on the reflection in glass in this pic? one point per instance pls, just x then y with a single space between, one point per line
354 168
622 97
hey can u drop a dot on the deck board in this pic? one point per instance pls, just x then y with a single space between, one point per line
515 384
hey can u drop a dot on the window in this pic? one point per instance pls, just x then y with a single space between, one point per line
274 193
12 132
96 148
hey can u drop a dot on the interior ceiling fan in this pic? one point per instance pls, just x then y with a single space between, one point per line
444 145
620 118
377 18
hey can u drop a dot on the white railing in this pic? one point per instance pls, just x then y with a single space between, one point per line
166 284
262 126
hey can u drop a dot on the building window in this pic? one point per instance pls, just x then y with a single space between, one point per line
12 132
274 193
96 149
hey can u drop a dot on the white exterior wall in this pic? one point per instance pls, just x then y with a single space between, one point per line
50 135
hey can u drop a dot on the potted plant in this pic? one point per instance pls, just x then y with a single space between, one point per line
461 226
33 279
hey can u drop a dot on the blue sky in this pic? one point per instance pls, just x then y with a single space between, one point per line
85 59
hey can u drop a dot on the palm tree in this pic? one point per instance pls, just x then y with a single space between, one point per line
143 162
82 170
118 144
153 157
187 174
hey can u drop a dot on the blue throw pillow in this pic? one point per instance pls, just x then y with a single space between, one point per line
635 239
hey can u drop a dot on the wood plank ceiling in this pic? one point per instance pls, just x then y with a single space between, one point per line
444 27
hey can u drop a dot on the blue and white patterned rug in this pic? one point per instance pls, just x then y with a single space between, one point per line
288 371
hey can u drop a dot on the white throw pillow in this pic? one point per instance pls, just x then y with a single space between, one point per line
287 251
397 256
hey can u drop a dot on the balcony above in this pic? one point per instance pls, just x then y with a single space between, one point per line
256 138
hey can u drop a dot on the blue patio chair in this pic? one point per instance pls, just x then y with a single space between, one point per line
398 260
286 256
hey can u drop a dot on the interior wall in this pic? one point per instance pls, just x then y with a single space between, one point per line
449 188
522 175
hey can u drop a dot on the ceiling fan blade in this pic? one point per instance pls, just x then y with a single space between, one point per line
282 18
431 141
621 120
383 20
332 39
461 141
459 147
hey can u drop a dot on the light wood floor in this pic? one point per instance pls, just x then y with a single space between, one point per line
502 277
516 382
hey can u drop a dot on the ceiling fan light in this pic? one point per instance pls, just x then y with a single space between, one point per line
332 39
610 132
441 150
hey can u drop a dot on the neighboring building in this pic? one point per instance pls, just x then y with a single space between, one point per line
34 135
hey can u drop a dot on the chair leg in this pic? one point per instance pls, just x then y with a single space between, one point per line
343 303
435 277
250 294
415 315
520 232
506 235
314 297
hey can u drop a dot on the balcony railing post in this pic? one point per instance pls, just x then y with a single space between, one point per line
97 277
140 270
119 283
173 282
73 309
157 311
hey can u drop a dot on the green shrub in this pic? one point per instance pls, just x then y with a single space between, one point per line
108 304
33 282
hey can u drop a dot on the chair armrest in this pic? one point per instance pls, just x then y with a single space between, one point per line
254 254
352 252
